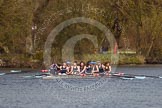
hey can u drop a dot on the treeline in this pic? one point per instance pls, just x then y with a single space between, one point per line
25 25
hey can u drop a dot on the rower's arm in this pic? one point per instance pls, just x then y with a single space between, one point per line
67 68
78 68
109 68
103 67
84 69
97 69
71 70
60 67
57 66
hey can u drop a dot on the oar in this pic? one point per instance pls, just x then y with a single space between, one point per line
37 75
140 77
127 78
144 76
137 76
16 72
123 76
131 76
2 74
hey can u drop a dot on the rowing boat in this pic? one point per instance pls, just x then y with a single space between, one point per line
68 77
112 75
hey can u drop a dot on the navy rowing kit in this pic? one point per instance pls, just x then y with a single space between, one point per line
81 69
95 69
75 70
101 69
107 69
63 70
89 70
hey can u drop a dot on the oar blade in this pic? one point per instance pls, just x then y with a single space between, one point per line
2 74
140 77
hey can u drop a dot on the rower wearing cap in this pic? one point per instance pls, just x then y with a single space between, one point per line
89 68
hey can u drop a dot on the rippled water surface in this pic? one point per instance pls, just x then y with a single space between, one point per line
18 92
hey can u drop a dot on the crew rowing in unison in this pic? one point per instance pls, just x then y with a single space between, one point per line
92 68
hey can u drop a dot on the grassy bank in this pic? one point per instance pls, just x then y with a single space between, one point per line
21 61
120 59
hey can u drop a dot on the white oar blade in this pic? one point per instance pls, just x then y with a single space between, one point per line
2 74
15 71
127 78
140 77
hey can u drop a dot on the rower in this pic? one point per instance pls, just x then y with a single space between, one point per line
54 69
75 69
101 67
64 69
107 68
82 68
89 68
69 67
95 69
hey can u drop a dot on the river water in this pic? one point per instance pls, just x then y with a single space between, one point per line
18 92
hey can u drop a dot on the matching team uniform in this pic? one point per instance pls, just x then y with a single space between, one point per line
63 70
54 69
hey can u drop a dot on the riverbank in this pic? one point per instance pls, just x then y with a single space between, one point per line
34 63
